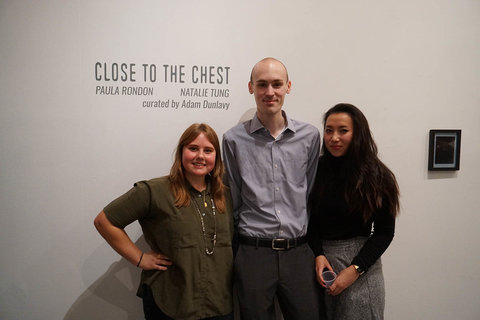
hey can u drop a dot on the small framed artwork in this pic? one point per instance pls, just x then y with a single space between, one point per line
444 149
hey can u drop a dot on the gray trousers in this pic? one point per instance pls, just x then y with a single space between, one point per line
365 298
262 273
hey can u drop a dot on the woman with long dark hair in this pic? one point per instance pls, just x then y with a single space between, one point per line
186 220
353 207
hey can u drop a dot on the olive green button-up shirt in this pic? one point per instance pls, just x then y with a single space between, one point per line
197 285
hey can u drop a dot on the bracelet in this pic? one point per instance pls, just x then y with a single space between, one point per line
359 269
138 264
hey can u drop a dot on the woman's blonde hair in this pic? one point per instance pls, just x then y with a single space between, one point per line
177 176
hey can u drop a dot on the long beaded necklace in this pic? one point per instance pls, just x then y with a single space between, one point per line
214 237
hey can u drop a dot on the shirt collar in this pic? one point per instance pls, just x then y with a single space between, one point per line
195 191
257 125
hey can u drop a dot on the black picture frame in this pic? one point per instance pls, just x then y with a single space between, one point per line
444 150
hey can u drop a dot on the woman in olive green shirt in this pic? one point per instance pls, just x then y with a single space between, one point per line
186 219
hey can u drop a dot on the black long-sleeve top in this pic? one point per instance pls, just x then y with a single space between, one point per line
331 219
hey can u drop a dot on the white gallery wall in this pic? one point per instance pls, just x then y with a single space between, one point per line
88 91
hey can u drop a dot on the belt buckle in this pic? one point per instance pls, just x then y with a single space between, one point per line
279 240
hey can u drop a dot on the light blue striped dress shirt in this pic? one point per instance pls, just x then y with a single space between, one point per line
269 178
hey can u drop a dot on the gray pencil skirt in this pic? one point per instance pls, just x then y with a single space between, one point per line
365 298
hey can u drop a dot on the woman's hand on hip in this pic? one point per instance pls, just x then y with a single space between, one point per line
155 261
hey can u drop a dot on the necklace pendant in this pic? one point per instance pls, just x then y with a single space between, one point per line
205 204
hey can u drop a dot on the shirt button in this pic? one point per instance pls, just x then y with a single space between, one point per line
276 189
276 166
278 211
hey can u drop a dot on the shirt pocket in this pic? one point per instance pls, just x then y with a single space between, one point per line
295 166
224 235
185 229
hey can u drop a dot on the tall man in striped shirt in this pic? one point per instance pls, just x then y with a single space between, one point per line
271 162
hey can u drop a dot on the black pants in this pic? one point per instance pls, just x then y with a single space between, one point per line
262 273
153 312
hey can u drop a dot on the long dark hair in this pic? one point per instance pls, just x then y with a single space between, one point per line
177 175
369 183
